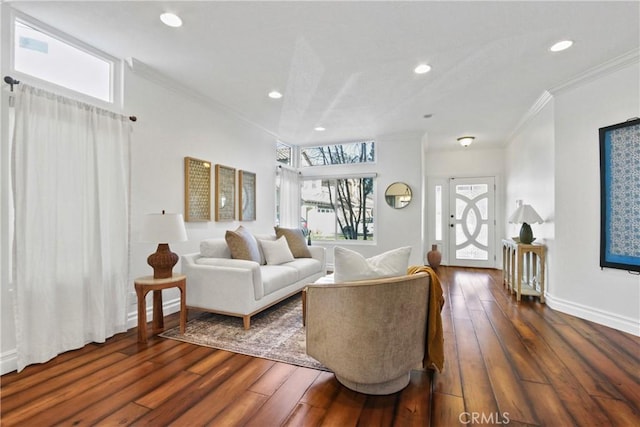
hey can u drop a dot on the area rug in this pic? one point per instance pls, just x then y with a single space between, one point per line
275 334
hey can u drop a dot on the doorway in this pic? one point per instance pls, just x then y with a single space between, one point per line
472 222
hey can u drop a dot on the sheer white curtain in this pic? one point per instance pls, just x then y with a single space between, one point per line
289 182
71 245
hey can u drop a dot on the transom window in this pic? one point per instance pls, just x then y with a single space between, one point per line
62 63
339 154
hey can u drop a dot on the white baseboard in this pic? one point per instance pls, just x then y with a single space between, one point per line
168 307
612 320
9 359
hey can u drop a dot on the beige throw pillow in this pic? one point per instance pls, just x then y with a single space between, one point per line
295 240
276 251
350 266
242 244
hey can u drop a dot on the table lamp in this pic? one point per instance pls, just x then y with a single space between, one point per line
162 229
525 215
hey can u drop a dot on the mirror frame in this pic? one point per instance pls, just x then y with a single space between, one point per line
395 200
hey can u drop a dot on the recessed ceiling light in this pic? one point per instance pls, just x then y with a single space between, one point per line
171 19
275 94
319 129
422 68
561 45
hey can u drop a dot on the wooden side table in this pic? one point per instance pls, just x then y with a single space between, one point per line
524 268
147 283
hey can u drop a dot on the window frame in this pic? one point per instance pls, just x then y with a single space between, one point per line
336 231
115 77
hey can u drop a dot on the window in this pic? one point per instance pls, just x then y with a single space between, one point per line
284 153
338 208
56 61
339 154
438 212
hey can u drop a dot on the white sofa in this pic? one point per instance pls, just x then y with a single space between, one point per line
235 287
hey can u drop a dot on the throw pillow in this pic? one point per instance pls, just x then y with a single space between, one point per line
276 251
295 239
242 244
351 266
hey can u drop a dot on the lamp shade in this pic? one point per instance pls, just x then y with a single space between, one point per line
525 214
163 228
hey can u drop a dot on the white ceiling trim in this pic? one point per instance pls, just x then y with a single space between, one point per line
630 58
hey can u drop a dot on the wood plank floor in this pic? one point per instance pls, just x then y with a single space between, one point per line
507 364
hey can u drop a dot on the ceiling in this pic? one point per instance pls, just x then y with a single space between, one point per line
348 66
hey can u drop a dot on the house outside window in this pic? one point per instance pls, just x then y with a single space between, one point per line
338 206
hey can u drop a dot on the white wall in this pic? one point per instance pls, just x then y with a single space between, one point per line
607 296
530 177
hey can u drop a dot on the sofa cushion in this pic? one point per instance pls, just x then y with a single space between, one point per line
276 251
275 277
351 266
243 245
295 239
214 248
306 266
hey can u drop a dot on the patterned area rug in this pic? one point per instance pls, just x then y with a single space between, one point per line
275 334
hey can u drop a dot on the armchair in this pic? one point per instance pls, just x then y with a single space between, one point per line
369 333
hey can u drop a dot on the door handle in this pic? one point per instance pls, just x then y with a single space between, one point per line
451 225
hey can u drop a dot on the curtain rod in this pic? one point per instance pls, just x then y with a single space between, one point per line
11 82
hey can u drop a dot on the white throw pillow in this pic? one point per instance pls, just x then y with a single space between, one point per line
350 266
276 251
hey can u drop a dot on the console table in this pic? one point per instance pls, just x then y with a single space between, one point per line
524 268
145 284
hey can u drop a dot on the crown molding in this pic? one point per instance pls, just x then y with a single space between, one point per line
537 106
630 58
146 71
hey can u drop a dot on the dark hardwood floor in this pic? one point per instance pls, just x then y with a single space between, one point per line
507 364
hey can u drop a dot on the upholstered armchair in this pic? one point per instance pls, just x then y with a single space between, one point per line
369 333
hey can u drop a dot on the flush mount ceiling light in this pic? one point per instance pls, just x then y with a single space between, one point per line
561 45
466 141
171 19
422 69
319 129
274 94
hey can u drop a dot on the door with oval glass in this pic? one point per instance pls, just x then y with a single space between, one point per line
472 222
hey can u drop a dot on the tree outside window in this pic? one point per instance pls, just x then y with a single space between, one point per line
338 208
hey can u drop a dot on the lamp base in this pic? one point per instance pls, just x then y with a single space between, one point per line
162 261
526 234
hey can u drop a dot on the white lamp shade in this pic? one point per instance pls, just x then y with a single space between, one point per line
163 228
525 213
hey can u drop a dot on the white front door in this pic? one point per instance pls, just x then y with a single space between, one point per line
472 222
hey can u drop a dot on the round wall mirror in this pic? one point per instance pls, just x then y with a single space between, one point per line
398 195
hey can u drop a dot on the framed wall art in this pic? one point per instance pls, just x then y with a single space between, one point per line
619 201
197 189
225 193
247 195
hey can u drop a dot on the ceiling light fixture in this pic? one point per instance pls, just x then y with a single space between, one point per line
561 45
466 141
171 19
422 69
274 94
319 129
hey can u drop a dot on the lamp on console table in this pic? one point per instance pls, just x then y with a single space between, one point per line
525 215
162 229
